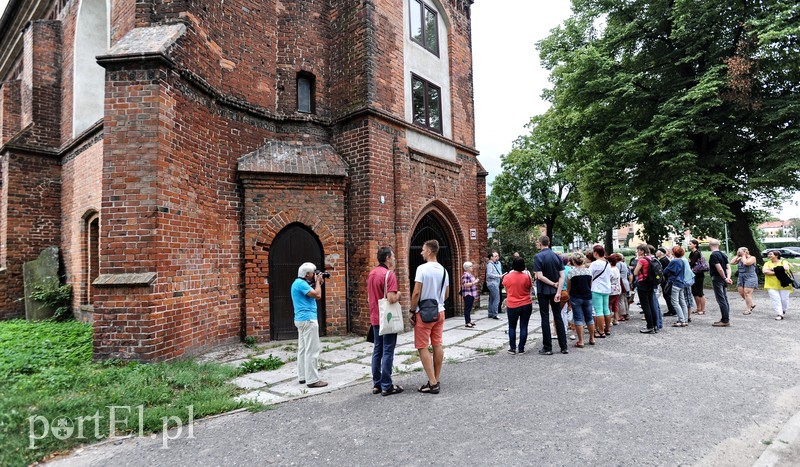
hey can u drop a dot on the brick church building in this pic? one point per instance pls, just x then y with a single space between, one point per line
187 156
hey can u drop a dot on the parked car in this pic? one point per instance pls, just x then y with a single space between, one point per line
796 249
791 252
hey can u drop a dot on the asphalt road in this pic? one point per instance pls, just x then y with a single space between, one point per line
686 396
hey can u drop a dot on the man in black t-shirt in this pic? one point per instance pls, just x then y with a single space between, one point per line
720 272
549 270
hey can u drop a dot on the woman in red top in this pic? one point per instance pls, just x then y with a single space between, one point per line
518 299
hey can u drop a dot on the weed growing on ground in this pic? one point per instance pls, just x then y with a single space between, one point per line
261 364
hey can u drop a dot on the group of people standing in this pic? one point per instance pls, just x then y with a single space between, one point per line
596 289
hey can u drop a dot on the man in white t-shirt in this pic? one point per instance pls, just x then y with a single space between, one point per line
430 282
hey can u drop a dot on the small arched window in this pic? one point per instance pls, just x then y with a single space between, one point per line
306 93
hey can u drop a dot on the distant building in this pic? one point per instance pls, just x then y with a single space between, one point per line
778 231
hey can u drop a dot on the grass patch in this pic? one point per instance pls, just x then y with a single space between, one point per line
486 351
46 371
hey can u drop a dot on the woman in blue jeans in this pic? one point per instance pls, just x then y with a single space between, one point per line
579 287
518 299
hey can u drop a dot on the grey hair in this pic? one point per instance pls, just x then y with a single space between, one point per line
713 242
305 268
468 265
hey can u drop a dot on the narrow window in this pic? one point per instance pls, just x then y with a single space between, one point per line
305 93
426 101
92 260
425 26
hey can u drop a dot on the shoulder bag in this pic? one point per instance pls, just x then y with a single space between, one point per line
391 314
701 265
429 308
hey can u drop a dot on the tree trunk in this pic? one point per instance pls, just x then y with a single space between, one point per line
740 232
609 241
549 224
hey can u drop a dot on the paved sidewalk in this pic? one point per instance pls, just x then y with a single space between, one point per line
345 361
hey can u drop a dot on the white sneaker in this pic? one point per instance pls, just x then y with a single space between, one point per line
572 337
779 317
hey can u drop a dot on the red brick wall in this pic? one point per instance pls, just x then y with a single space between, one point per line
80 195
41 83
272 203
31 203
11 110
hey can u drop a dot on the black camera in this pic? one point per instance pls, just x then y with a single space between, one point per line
325 275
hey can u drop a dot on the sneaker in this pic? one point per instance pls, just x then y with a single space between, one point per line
521 351
302 381
545 352
564 351
512 351
572 337
494 317
720 324
779 317
318 384
647 331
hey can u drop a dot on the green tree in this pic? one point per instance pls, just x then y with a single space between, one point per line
692 106
536 187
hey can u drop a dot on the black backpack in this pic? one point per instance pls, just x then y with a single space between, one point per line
655 273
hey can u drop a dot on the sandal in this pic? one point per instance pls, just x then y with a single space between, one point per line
395 389
701 312
591 342
598 335
677 324
428 389
579 345
376 389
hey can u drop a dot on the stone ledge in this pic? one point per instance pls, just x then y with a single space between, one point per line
142 279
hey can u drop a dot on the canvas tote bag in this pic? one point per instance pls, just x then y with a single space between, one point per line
390 313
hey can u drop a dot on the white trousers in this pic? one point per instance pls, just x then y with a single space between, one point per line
308 348
780 301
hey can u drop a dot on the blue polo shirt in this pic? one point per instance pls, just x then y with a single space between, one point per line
305 307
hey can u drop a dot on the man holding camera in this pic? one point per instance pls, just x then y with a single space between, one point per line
304 299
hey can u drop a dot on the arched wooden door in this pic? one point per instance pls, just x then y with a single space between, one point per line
429 228
293 246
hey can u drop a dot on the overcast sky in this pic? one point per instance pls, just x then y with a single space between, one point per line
508 77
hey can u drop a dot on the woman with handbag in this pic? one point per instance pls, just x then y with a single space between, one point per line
601 291
699 267
518 289
774 269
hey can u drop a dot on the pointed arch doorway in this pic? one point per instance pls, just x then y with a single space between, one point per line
430 228
294 245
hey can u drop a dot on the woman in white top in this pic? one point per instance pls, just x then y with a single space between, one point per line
601 290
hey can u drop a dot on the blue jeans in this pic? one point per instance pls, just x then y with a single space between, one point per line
657 310
721 294
522 313
678 299
494 299
468 301
582 311
382 359
690 301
